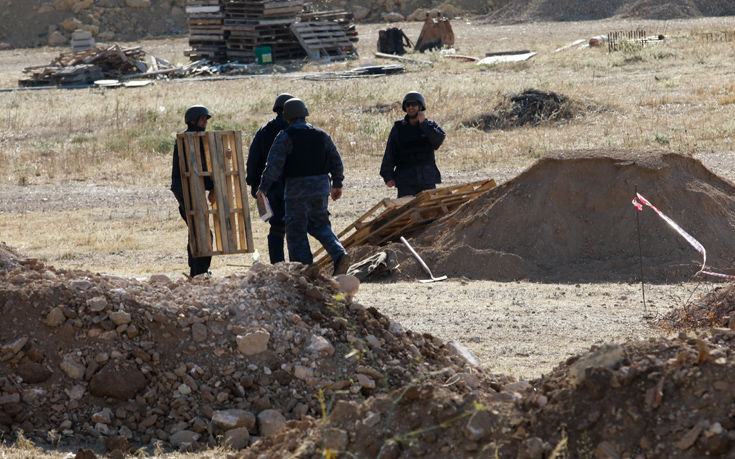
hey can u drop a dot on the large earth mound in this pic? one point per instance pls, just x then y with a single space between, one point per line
101 359
586 10
660 398
569 218
278 361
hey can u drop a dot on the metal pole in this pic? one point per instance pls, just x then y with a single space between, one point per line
640 253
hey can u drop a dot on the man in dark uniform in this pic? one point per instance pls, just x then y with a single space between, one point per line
196 118
306 157
408 162
257 156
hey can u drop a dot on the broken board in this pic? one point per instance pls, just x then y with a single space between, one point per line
390 219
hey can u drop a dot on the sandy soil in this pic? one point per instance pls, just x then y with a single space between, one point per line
521 329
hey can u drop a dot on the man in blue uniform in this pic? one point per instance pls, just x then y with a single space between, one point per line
408 162
306 157
257 156
196 118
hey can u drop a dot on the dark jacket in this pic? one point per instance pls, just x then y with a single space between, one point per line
409 153
259 148
302 143
176 186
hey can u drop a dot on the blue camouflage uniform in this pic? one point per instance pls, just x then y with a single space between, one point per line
409 156
257 157
197 265
306 157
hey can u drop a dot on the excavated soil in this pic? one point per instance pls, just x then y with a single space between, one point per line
660 398
99 359
280 362
569 218
587 10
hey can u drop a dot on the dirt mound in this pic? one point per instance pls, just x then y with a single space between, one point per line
716 309
585 10
531 107
569 218
660 398
93 357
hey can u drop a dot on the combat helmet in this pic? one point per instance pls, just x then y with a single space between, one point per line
413 95
280 100
195 112
294 108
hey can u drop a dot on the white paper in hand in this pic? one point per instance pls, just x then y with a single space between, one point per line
264 208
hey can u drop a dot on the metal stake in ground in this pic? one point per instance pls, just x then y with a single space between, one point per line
640 253
423 265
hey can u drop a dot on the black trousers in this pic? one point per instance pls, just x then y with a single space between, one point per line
197 265
412 190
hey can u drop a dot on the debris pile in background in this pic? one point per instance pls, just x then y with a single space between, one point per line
87 66
530 107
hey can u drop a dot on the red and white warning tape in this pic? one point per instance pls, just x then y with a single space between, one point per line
639 201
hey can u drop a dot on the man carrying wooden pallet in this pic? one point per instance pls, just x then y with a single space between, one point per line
306 157
196 118
408 162
257 157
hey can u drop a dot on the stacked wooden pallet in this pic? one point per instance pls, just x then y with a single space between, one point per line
323 39
249 24
206 36
231 29
343 18
390 219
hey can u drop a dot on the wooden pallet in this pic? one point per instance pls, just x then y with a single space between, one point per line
390 219
229 217
323 39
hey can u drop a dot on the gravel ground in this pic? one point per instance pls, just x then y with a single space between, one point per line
525 329
521 329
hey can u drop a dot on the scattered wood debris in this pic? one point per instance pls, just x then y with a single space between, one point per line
84 67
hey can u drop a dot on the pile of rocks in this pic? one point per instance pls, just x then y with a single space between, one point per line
93 357
283 355
53 22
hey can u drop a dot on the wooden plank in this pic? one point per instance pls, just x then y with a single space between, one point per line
202 244
221 224
202 9
243 189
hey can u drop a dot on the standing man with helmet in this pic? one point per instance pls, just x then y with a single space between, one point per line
257 157
306 157
408 161
196 118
